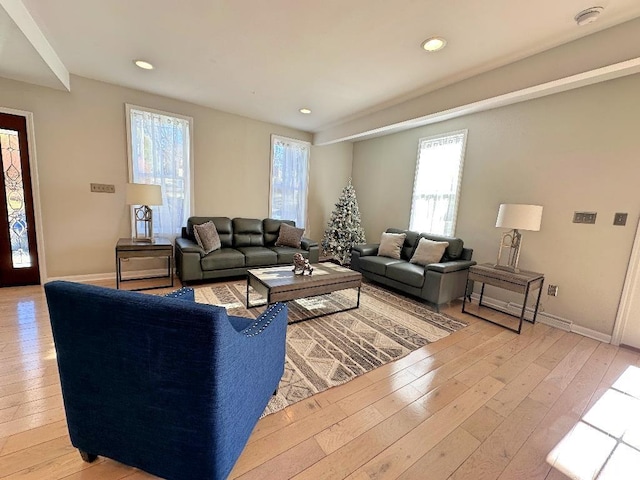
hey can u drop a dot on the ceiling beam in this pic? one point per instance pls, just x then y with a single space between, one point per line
27 25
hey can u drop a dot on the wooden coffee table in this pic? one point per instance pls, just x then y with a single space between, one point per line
280 284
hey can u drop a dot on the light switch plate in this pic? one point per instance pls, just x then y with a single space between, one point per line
103 188
584 217
620 219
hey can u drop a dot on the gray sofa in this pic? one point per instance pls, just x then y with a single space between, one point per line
437 283
246 243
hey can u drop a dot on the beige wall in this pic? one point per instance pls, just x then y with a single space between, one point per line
575 151
330 173
80 138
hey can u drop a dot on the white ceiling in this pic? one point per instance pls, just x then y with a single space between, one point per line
266 59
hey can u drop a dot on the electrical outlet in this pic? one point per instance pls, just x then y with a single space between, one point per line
103 188
620 219
552 290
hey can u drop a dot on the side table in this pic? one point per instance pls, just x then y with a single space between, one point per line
130 248
523 282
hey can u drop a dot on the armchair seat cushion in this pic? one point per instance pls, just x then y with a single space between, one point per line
377 265
221 259
258 256
406 272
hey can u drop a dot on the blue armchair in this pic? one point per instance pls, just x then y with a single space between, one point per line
167 385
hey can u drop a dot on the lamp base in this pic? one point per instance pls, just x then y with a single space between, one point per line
510 242
143 230
508 268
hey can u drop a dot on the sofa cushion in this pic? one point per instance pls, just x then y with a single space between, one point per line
391 245
377 264
271 230
285 254
453 251
410 242
207 237
222 259
223 227
406 272
289 236
258 256
247 232
428 251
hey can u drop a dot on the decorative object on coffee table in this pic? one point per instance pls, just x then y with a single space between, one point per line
301 265
344 229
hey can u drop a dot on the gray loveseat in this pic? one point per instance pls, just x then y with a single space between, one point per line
437 283
246 243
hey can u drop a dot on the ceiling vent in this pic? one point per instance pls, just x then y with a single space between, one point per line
589 15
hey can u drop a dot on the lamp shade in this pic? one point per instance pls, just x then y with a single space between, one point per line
519 217
143 194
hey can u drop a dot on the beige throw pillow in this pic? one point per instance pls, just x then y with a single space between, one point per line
207 237
428 252
391 245
289 236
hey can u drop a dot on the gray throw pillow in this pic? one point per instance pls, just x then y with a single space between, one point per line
289 236
207 237
391 245
428 252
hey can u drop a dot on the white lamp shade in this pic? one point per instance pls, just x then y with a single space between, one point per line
519 217
143 194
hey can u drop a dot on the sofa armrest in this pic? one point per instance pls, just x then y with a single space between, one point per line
189 246
366 249
307 243
448 267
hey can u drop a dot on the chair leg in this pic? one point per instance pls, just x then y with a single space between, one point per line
87 457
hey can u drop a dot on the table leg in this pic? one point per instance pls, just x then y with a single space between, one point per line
481 294
535 313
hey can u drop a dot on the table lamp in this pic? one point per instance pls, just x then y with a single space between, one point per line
516 217
143 195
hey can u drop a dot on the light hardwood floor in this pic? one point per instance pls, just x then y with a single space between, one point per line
482 403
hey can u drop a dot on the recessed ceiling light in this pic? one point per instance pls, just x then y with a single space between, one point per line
306 111
144 65
434 44
587 16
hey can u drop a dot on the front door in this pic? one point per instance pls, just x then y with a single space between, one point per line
18 253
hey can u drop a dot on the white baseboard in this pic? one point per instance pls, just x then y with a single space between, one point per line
543 317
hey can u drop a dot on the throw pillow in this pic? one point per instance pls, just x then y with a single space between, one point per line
207 237
289 236
428 252
391 245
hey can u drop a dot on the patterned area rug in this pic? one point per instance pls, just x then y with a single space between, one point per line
329 351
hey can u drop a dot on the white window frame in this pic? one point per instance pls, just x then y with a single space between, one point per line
128 108
307 145
420 164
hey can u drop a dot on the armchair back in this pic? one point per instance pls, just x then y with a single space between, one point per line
167 385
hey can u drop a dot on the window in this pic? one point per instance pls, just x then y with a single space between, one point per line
436 187
160 154
289 179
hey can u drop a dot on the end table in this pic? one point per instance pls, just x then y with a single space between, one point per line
523 282
130 248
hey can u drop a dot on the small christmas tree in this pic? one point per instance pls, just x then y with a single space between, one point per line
344 229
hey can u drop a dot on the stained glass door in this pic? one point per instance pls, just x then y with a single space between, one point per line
18 254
